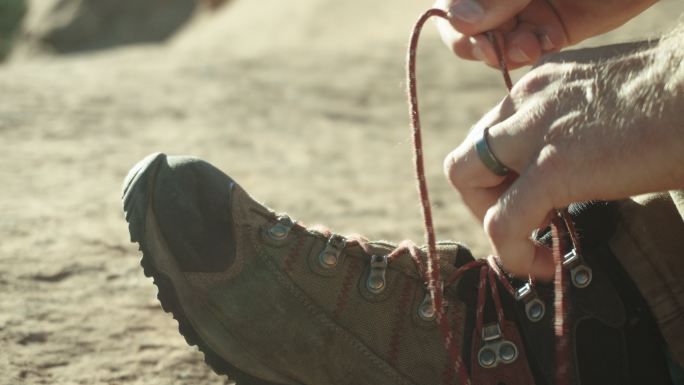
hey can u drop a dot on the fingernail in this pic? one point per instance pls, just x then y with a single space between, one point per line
518 56
546 42
469 11
478 54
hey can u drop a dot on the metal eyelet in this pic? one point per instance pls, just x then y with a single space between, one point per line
486 357
508 352
580 274
425 310
376 282
495 350
330 256
281 229
535 309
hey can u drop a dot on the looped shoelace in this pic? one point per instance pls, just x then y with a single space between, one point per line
490 271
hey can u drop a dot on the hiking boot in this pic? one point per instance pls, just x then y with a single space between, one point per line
269 301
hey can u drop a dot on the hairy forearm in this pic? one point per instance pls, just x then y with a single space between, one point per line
669 64
650 100
671 60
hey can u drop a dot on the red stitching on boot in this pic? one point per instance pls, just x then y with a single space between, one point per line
290 259
448 375
400 321
353 270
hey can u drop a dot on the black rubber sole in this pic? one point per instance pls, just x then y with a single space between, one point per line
135 200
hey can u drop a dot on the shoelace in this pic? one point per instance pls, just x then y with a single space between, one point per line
490 270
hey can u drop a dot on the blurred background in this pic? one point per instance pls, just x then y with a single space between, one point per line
302 102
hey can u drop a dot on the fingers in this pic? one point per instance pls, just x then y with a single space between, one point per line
511 207
524 207
513 143
543 266
479 200
513 138
467 47
530 29
524 47
479 188
472 17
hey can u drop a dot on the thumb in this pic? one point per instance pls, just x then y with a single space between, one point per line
471 17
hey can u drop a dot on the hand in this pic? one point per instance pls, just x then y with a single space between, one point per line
572 131
530 27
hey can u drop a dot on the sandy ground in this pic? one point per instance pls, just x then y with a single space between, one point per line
301 102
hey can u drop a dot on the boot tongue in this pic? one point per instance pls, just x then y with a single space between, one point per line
452 255
595 223
455 254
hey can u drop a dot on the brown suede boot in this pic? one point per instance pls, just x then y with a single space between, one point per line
269 301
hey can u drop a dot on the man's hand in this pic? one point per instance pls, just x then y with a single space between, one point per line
530 27
571 131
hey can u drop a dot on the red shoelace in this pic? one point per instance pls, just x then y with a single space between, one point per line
490 271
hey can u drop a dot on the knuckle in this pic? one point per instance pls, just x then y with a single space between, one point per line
534 81
551 174
499 233
547 75
511 263
460 46
454 169
515 266
494 228
549 161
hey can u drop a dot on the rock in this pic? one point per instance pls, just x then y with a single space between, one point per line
11 14
65 26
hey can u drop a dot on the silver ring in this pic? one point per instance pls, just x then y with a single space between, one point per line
487 157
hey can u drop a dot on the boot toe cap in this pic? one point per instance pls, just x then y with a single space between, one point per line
191 203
